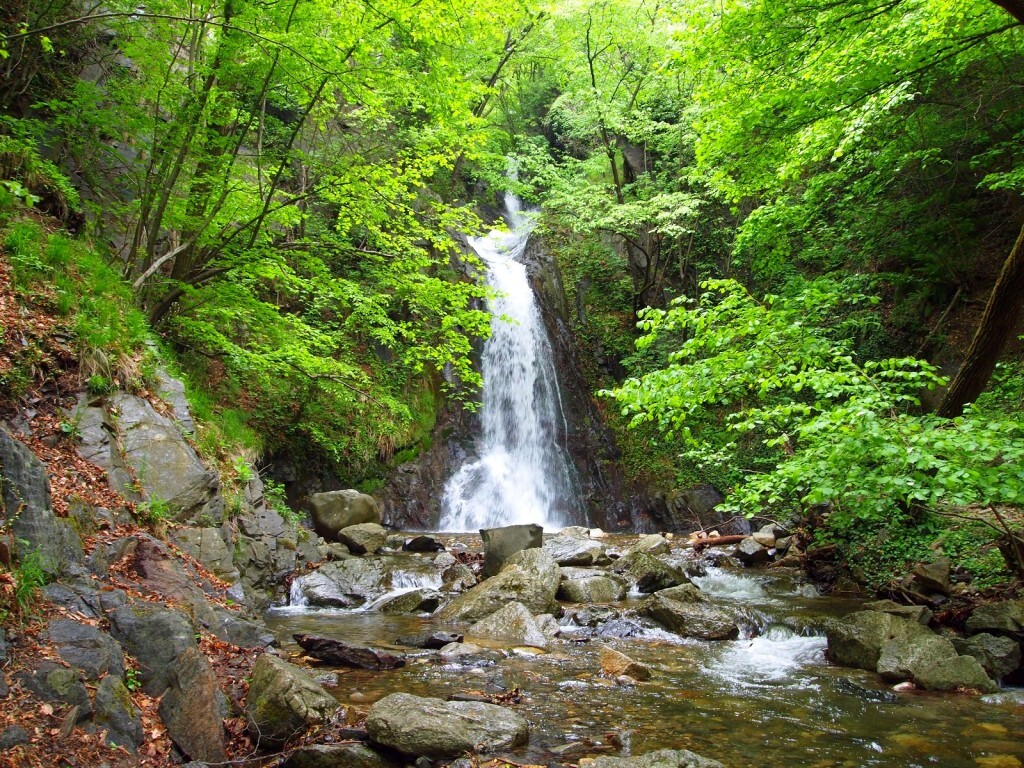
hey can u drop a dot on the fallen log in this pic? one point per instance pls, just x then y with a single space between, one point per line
344 655
715 541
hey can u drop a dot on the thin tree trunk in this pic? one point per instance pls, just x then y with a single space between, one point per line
1001 317
1014 7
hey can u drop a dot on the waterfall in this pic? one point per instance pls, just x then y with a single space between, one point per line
523 473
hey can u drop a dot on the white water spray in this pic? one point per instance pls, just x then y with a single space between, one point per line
523 474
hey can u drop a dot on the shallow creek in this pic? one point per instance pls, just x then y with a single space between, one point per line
767 699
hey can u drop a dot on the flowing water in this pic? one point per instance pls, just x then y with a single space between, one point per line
766 699
523 473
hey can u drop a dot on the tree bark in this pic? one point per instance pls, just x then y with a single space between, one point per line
1002 314
1014 7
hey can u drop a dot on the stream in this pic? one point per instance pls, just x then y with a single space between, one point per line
768 698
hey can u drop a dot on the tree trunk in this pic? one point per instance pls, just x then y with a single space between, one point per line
1002 314
1014 7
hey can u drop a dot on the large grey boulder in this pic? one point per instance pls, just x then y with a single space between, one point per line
194 708
652 544
530 577
26 508
1004 617
957 673
663 758
501 543
284 700
164 464
345 583
690 618
87 648
154 636
573 546
117 715
857 640
751 552
583 585
904 655
334 510
49 681
207 545
339 756
512 624
999 656
435 728
363 538
649 573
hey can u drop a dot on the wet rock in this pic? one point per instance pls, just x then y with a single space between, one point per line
414 601
339 756
501 543
445 560
335 510
954 674
284 700
580 585
13 736
857 640
433 640
459 652
154 636
26 509
751 552
663 758
164 464
652 544
904 655
918 613
458 578
194 708
51 682
116 714
614 664
435 728
345 584
512 624
87 648
765 536
649 573
998 656
933 577
363 538
345 655
1003 617
690 619
573 546
423 544
530 577
590 615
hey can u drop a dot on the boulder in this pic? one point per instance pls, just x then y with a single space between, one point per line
284 700
194 708
663 758
902 657
423 544
652 544
765 536
751 552
501 543
117 715
432 640
413 601
363 538
690 619
26 508
458 578
339 756
530 577
342 654
52 682
437 729
164 464
87 648
13 736
957 673
580 585
933 577
649 573
614 663
573 546
344 584
335 510
208 547
1003 617
512 624
857 640
918 613
154 636
998 656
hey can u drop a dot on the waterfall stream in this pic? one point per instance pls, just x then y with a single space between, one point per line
523 473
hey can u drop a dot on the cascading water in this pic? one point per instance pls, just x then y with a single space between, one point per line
523 473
